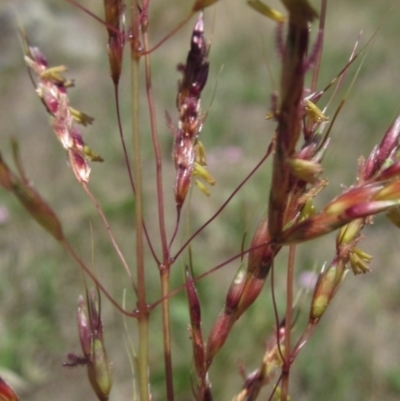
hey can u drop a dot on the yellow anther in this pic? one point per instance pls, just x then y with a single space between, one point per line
81 118
200 157
203 173
202 187
314 113
54 73
358 265
363 255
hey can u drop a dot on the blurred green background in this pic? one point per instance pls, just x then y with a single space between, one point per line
355 352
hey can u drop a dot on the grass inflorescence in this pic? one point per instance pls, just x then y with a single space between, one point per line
224 282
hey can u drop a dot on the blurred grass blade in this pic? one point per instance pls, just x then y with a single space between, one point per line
267 11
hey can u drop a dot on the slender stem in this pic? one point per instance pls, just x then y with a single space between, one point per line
172 33
143 321
167 333
156 147
208 272
128 164
110 234
92 15
222 207
178 219
165 267
82 265
317 63
304 338
288 323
